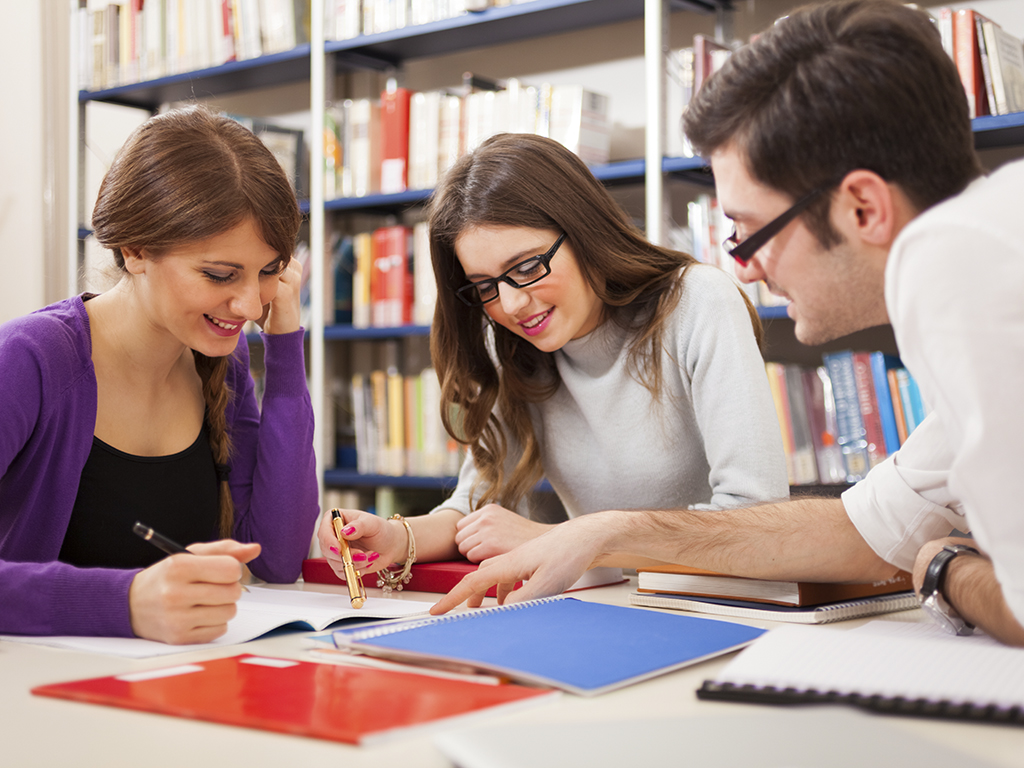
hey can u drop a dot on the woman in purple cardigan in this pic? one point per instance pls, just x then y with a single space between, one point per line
138 404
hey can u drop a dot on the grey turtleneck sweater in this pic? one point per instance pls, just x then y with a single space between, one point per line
712 441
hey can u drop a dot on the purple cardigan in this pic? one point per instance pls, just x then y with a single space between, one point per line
47 420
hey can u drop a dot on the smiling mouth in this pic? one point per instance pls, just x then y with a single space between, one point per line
536 320
222 324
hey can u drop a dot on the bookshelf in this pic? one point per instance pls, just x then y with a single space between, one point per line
317 64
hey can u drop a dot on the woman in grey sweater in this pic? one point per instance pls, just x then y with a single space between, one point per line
569 347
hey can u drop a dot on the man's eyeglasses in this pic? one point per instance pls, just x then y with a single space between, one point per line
744 252
520 275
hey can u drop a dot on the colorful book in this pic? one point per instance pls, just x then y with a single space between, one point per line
697 582
821 414
825 613
391 283
354 705
968 60
394 132
880 366
848 417
897 405
869 414
581 647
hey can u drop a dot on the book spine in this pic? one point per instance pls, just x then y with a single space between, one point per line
880 380
848 419
868 400
968 61
897 405
394 131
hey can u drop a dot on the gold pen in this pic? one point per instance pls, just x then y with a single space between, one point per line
356 591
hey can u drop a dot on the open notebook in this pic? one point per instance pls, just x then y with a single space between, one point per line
260 610
898 667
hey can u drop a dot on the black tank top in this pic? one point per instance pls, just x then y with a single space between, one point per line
176 495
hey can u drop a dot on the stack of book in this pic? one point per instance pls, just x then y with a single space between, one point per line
682 588
345 19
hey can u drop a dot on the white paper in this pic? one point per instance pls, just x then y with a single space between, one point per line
259 611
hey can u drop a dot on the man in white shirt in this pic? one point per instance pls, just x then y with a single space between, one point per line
842 150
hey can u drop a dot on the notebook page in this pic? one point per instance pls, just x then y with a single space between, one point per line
884 658
259 611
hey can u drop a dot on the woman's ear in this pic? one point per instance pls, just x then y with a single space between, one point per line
134 261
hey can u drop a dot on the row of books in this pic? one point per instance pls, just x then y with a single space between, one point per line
686 70
397 425
138 40
407 140
842 418
346 19
381 279
989 59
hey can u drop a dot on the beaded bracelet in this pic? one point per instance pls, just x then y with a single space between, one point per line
394 581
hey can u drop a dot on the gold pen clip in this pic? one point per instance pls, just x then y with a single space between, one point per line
356 590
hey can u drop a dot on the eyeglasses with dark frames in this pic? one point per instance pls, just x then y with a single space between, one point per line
744 252
526 272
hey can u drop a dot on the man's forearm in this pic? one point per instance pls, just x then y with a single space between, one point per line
803 539
974 593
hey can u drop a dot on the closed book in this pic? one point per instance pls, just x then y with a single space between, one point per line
394 135
684 580
897 405
391 284
805 469
868 400
821 413
849 423
581 647
441 577
1006 60
826 613
968 60
355 705
880 366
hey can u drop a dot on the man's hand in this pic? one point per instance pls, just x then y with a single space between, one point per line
549 564
493 530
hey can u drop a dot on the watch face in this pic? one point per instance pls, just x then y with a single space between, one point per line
941 614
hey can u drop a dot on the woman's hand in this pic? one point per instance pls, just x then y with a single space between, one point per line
190 598
283 313
374 542
493 530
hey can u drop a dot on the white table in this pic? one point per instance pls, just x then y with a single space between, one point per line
41 731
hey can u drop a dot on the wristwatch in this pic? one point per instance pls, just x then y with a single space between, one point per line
932 599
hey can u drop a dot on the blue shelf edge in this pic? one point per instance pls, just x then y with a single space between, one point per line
352 478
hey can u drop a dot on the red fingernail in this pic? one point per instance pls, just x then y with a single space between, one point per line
349 530
335 550
373 556
358 556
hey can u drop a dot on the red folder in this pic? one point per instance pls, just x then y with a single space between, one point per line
438 577
326 701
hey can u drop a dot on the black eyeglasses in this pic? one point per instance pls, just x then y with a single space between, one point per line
744 252
520 275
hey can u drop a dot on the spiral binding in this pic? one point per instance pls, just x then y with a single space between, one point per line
391 629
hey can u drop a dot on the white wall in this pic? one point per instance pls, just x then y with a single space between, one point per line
21 163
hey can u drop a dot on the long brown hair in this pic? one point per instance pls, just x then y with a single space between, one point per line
522 180
185 176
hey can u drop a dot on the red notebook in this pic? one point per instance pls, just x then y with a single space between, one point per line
326 701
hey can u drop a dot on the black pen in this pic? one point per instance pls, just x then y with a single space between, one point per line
161 542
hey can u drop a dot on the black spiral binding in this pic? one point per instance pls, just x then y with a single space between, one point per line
889 705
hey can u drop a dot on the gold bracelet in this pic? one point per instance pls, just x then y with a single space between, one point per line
389 581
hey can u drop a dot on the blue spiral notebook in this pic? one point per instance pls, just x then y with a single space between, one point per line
581 647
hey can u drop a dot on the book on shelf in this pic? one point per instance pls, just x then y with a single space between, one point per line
881 364
697 582
869 408
893 667
821 415
395 135
612 646
441 577
850 424
708 57
914 409
967 56
424 292
391 280
1005 54
424 139
325 701
361 147
826 613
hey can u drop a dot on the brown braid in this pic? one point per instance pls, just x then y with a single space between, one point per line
216 393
